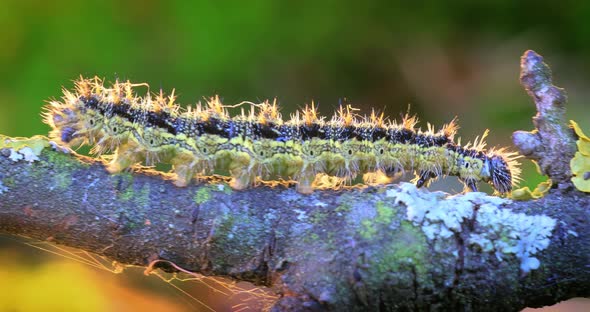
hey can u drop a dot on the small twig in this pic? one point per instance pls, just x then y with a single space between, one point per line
552 143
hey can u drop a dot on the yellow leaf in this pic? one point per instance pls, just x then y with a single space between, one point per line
581 183
542 188
584 147
525 193
36 143
580 164
522 194
578 130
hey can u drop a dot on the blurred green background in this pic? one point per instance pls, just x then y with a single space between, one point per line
444 59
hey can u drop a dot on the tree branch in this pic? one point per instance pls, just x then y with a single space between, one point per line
385 248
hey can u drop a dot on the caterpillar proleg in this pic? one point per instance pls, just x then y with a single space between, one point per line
260 144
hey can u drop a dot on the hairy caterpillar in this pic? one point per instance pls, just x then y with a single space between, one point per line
259 144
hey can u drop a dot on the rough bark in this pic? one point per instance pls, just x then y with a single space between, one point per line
387 248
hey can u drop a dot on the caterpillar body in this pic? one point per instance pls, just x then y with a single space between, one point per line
258 144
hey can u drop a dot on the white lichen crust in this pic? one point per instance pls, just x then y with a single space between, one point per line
26 153
3 188
496 230
27 149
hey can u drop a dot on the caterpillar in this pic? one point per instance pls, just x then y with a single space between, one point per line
259 144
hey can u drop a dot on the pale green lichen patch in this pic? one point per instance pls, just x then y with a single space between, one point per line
367 230
26 149
136 195
385 213
140 198
409 246
250 230
498 230
406 249
127 194
62 180
343 208
318 216
202 195
9 181
382 216
143 197
29 150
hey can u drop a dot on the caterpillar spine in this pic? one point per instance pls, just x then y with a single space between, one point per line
260 144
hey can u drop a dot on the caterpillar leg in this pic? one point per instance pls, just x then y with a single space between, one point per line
377 178
125 156
184 173
324 181
470 185
305 182
184 168
424 178
241 172
241 178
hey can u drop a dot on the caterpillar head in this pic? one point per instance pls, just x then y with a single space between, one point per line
67 135
64 122
497 171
